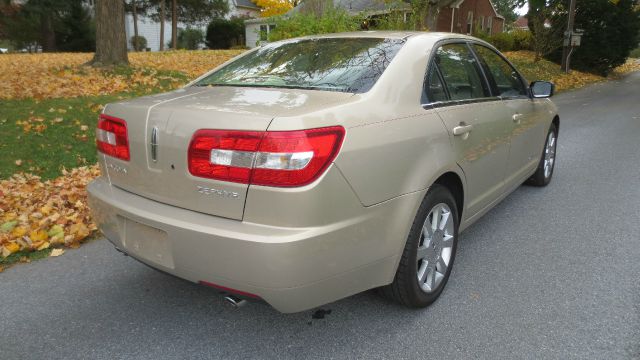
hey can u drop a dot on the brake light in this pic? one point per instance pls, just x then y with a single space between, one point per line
112 138
270 158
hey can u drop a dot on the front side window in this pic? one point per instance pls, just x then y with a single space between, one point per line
506 81
332 64
460 72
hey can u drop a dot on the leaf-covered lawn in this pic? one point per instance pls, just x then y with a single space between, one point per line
547 70
46 76
37 215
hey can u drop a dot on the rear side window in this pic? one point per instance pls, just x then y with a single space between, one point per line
504 78
460 72
433 89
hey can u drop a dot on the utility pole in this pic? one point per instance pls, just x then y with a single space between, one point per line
162 21
566 50
174 24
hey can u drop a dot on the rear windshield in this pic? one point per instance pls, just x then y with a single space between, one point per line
335 64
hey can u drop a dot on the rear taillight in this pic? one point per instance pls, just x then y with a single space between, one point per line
270 158
112 138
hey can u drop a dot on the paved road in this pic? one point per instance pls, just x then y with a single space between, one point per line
549 273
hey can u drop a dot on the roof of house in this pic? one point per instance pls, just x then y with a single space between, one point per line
353 7
359 6
495 11
246 4
521 22
368 7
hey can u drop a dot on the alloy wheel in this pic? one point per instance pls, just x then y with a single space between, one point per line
549 154
435 247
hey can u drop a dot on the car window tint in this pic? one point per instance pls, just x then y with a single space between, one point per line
505 78
460 71
433 89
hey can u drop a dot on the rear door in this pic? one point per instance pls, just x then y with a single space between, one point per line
478 129
527 128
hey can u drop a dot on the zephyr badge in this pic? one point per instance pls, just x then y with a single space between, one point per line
154 144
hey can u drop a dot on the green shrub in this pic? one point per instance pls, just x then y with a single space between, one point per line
507 41
300 24
139 42
611 32
224 34
190 39
482 35
522 40
635 53
503 41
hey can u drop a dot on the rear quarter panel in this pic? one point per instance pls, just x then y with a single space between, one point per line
393 146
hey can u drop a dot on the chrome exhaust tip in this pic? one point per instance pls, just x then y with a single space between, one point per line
234 301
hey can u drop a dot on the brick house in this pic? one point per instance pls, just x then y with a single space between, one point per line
467 16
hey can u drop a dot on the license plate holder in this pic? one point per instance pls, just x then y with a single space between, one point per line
148 243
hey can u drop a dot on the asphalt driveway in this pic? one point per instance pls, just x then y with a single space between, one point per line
549 273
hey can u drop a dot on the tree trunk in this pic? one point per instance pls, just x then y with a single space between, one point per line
432 18
135 24
48 36
174 24
111 38
162 20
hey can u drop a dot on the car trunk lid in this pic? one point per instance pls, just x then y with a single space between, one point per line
160 129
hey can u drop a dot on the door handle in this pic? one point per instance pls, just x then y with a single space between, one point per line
462 129
516 118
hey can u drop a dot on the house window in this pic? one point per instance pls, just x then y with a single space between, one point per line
489 25
482 23
470 22
265 30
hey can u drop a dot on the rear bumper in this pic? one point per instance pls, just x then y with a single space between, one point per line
292 269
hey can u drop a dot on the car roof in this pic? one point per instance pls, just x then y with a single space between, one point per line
434 36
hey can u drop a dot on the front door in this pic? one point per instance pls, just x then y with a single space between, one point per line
527 127
478 129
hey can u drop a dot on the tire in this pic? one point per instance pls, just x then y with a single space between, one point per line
406 287
543 175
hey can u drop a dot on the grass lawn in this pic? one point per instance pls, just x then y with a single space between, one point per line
44 136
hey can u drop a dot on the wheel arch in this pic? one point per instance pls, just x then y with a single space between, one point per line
453 182
556 122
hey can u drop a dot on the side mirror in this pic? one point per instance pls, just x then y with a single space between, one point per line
542 89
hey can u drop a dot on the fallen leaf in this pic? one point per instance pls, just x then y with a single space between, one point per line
18 162
18 231
8 226
38 235
56 252
12 247
45 245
